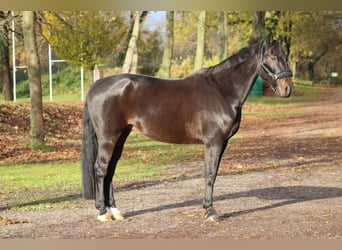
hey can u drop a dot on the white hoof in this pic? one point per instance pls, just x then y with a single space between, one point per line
213 218
104 217
116 213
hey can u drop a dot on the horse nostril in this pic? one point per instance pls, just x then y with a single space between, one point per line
287 90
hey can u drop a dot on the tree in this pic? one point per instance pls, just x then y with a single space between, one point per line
165 69
131 58
200 40
311 38
32 62
240 30
216 48
258 27
184 34
149 52
85 38
282 25
223 31
5 71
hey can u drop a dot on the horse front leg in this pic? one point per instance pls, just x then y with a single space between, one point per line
213 155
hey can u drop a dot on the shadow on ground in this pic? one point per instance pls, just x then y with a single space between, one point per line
289 195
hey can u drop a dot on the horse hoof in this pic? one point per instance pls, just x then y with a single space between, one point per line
116 213
118 216
104 217
212 218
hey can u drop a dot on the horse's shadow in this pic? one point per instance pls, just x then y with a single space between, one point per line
287 194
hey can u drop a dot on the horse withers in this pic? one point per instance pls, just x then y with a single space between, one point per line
202 108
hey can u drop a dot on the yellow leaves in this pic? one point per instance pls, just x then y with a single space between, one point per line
84 37
6 221
190 214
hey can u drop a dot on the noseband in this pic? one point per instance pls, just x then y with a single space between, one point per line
269 71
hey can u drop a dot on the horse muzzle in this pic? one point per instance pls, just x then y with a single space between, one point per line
284 87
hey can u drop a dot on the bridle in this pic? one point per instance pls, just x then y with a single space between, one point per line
268 70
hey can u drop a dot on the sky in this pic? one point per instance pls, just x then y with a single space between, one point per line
154 19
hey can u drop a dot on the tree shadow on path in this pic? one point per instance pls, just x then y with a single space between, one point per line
288 194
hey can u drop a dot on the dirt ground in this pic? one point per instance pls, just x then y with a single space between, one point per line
283 180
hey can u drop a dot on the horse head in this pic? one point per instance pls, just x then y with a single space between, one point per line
273 66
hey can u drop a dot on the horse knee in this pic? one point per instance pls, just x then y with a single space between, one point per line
100 169
209 180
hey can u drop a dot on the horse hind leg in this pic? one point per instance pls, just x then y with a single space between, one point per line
105 150
113 211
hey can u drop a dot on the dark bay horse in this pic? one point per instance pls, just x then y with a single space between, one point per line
204 107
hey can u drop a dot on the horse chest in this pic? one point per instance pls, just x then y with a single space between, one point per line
235 122
223 122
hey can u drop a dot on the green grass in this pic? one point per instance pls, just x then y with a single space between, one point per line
66 98
144 158
52 185
303 93
39 186
65 82
38 176
274 113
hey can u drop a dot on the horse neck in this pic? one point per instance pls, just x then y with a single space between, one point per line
236 82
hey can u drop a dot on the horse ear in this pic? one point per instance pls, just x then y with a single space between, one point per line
269 39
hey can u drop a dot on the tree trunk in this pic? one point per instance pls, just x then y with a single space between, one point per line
200 41
288 30
294 69
258 27
132 45
165 69
33 65
311 71
223 31
5 69
134 65
96 73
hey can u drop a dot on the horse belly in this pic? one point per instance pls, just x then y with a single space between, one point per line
167 129
166 112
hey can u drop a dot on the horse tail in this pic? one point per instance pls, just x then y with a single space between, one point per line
89 155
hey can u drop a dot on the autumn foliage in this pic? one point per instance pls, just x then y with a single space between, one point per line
63 130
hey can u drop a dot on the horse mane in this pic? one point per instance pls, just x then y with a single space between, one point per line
229 63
